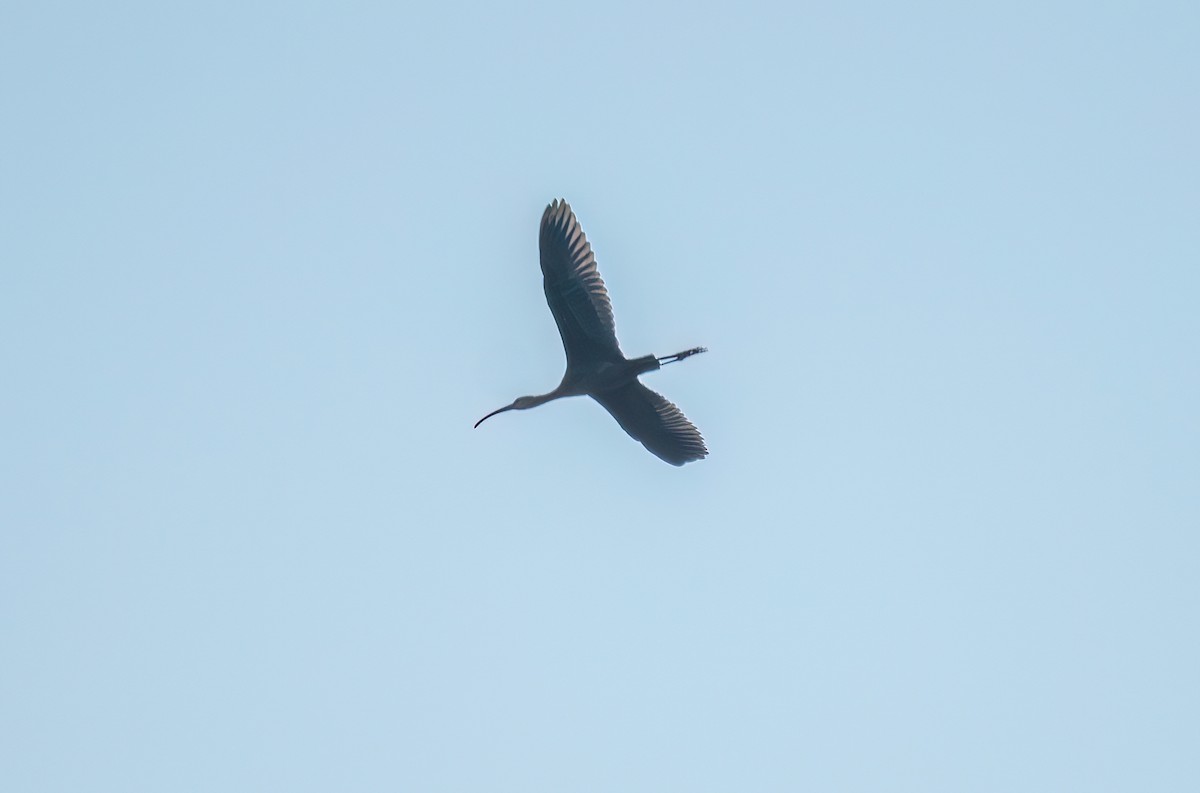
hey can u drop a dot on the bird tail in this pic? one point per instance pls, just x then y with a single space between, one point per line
679 356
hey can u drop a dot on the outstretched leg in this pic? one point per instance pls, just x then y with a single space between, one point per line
679 356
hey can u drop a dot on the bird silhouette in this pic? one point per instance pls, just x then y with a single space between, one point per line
596 367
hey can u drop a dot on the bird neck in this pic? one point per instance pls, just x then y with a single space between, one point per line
541 399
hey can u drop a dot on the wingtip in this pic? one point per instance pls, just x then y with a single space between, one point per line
558 214
556 207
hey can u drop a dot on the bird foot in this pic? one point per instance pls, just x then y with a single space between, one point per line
679 356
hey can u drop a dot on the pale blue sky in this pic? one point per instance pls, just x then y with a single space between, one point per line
265 264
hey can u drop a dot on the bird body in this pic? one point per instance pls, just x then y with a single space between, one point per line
596 367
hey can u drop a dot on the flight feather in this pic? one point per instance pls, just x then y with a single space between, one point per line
574 289
654 420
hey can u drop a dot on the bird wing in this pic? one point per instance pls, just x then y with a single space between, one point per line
652 419
575 290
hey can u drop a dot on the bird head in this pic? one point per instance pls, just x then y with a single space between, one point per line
520 403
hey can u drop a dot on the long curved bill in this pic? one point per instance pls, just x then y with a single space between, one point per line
494 412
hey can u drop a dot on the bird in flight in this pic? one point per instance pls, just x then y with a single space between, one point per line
596 367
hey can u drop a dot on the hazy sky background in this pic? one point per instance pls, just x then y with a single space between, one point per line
265 264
